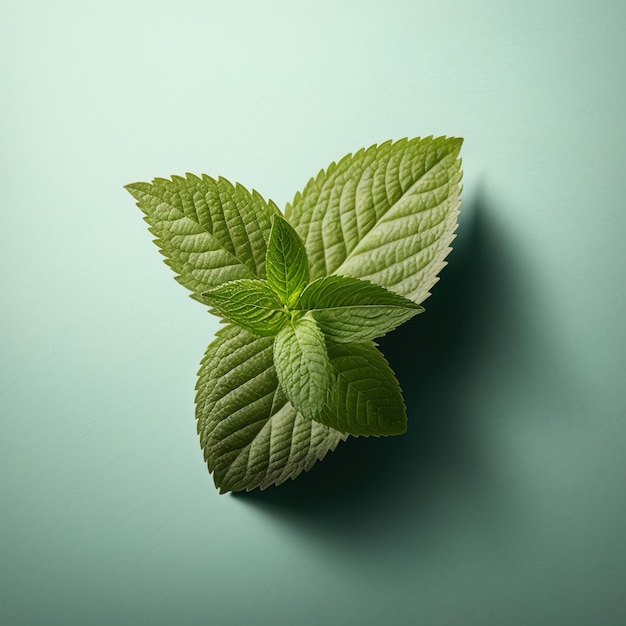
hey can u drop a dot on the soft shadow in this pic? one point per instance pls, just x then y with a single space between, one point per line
356 488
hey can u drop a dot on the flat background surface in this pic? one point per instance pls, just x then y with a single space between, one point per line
505 504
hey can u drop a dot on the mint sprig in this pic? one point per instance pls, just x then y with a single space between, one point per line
296 371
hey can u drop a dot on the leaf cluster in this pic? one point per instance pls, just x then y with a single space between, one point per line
304 295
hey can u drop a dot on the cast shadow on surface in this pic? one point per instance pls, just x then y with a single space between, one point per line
371 483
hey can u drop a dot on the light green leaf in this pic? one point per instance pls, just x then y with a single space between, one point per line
302 365
348 309
286 262
251 435
210 231
249 303
365 398
387 214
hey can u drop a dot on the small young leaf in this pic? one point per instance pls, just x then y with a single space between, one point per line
365 398
348 309
387 214
251 435
302 365
286 262
209 230
249 303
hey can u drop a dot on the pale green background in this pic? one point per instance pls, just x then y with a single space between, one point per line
506 502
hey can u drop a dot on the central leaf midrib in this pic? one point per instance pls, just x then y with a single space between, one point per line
369 307
284 275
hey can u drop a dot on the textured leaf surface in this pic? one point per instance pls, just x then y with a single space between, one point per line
286 262
210 231
302 365
387 214
251 435
365 398
249 303
349 309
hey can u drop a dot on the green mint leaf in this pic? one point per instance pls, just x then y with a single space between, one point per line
387 214
210 231
348 309
302 365
286 262
249 303
251 435
365 398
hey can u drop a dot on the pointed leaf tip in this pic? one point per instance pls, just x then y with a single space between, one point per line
209 231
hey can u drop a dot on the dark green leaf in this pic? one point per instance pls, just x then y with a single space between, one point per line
251 435
302 365
365 398
349 309
249 303
287 263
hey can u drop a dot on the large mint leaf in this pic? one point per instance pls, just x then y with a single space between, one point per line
251 435
286 262
349 309
302 365
249 303
365 398
387 214
210 231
